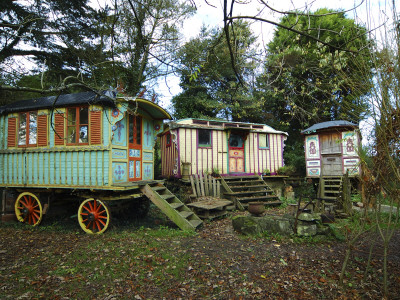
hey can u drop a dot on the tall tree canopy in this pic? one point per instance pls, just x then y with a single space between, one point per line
306 82
57 34
70 44
211 88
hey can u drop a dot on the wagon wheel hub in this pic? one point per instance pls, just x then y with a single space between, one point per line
91 217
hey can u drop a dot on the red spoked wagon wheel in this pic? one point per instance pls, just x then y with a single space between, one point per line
93 216
28 209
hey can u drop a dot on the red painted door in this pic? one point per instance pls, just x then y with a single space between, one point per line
135 148
236 153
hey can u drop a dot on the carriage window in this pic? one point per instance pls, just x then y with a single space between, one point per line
263 141
235 140
27 129
77 125
168 137
204 137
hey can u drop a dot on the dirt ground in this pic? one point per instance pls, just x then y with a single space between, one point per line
132 262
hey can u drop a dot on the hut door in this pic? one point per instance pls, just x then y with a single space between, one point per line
236 153
135 148
331 165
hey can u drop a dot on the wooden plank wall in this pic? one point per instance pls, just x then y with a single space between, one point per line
204 159
55 168
169 156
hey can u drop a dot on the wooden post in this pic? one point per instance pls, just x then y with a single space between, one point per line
214 184
206 187
193 186
210 184
218 189
198 187
201 185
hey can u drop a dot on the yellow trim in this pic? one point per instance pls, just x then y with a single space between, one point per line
80 219
18 212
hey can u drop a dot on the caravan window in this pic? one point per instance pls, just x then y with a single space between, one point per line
27 129
263 141
204 137
77 125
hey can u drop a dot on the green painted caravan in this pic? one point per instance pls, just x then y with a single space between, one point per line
82 144
82 140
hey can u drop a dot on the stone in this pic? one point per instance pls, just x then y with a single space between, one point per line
307 230
309 217
246 225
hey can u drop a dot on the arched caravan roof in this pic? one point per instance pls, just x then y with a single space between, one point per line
223 125
154 110
328 124
107 98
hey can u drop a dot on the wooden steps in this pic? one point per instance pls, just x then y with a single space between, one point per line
171 206
245 189
330 188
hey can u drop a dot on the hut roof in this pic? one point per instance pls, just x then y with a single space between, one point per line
328 124
223 125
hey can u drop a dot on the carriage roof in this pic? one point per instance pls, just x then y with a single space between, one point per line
107 98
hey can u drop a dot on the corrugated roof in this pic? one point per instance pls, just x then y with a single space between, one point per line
328 124
107 99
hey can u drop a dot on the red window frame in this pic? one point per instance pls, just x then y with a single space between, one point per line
27 129
75 127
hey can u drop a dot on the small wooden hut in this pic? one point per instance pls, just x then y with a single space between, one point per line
196 146
331 149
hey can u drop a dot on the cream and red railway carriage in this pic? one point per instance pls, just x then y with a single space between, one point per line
229 148
96 147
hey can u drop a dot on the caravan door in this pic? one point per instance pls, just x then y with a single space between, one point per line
135 148
236 153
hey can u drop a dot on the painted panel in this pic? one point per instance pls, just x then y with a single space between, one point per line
353 170
93 167
119 133
134 153
119 172
63 172
53 169
313 171
148 156
137 169
148 171
313 163
312 146
106 126
148 134
40 168
351 161
349 143
119 154
131 169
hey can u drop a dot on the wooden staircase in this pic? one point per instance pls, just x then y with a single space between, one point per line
244 189
171 206
330 188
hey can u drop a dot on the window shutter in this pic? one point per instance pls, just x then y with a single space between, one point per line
95 127
59 128
12 132
42 130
